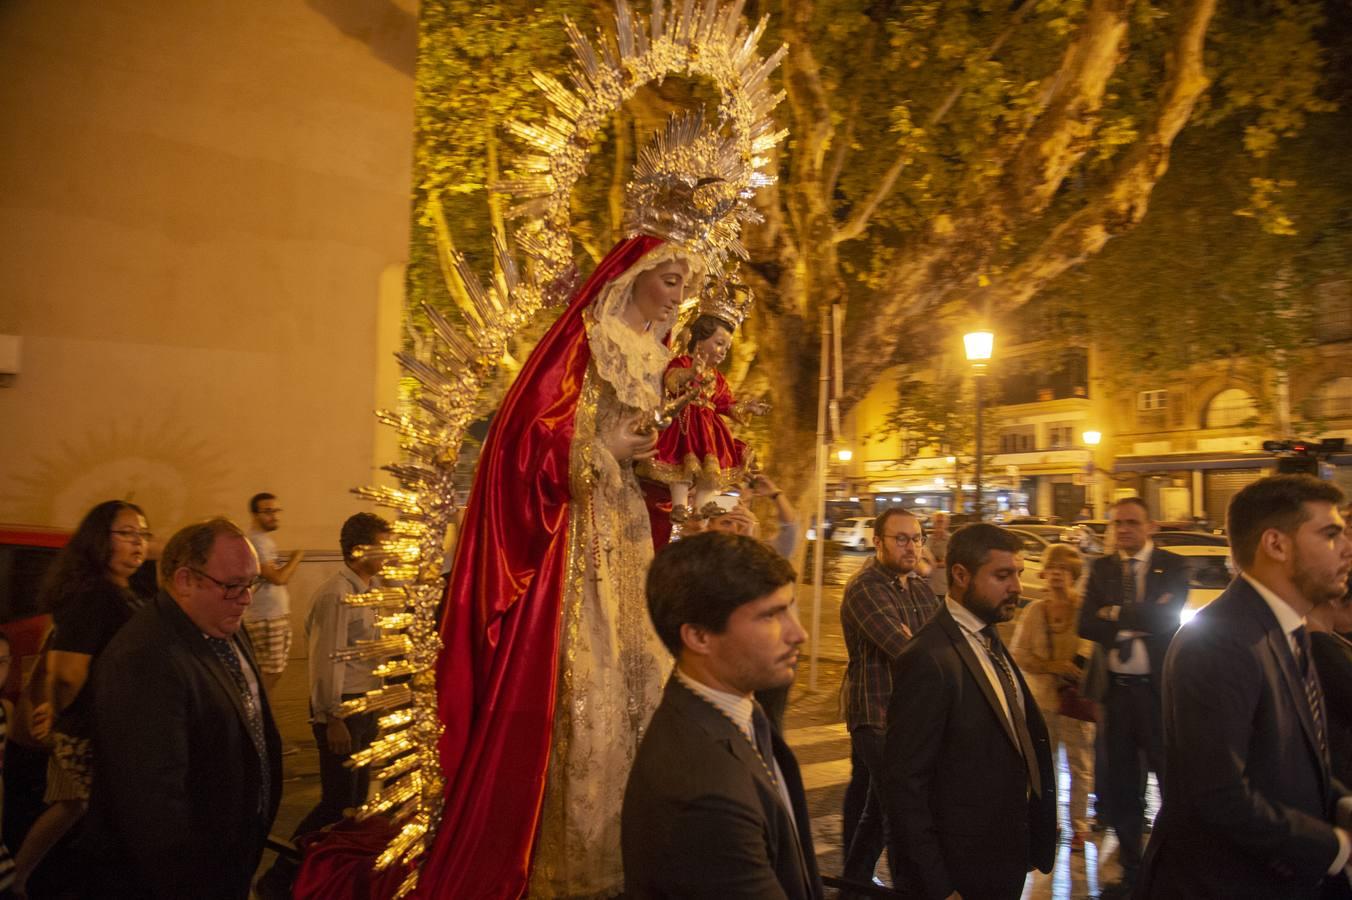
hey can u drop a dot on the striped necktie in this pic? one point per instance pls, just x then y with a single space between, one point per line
1314 695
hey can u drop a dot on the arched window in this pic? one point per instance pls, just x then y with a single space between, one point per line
1331 400
1230 408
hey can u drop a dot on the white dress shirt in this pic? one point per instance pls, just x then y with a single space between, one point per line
1139 663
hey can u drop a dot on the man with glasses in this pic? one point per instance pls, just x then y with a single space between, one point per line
269 618
885 603
331 627
187 752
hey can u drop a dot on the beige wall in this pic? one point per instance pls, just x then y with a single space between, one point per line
204 214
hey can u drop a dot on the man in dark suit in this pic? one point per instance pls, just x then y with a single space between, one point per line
1131 607
187 755
714 807
968 785
1249 803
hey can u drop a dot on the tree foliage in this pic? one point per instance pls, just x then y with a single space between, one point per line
947 158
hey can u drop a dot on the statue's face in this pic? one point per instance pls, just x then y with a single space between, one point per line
714 349
658 291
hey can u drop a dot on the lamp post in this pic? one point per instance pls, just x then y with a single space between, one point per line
979 345
1091 441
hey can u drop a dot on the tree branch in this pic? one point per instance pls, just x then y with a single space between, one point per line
856 225
1058 137
1123 202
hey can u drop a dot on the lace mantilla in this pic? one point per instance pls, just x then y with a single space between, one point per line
630 362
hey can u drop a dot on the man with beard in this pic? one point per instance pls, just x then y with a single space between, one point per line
968 786
1249 802
885 603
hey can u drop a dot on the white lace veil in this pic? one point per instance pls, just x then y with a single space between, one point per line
630 362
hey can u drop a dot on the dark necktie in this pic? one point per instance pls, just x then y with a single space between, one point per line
995 649
1314 695
225 652
1124 646
760 726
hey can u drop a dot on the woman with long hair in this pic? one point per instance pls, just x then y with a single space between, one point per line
1047 647
89 599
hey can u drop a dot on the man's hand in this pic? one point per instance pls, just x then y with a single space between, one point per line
1109 613
338 737
1164 599
954 896
762 486
296 557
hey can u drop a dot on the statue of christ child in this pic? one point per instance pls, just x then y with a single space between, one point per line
697 453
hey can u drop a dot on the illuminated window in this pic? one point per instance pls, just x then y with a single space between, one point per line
1151 400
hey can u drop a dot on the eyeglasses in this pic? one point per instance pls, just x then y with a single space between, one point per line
132 536
231 591
905 540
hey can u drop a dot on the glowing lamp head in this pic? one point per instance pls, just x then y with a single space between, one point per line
979 346
845 455
1092 438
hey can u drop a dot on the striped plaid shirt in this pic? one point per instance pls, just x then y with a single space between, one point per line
877 604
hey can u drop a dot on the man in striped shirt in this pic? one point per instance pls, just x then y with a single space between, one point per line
884 605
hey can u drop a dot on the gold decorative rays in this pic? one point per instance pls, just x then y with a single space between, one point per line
458 359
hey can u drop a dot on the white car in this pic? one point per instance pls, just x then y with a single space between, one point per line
1209 573
1090 536
1034 548
855 532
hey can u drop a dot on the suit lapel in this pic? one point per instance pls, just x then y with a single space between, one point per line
1295 688
968 657
1280 647
723 730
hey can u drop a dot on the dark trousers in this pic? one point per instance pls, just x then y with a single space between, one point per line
340 787
1134 735
871 835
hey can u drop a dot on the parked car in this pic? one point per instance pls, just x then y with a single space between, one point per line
1034 549
1209 573
1050 533
1034 520
856 532
1172 539
1090 536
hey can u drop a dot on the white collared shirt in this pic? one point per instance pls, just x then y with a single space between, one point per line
1139 663
971 629
738 708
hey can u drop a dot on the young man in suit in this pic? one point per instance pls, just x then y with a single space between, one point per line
187 755
1250 805
968 785
1131 607
714 806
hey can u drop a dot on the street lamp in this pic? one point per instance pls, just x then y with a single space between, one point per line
1091 440
844 455
979 346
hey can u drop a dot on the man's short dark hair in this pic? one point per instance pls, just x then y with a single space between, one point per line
190 547
702 579
971 545
259 498
361 530
880 520
1277 501
1138 501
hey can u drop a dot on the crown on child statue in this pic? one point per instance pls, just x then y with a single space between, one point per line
725 298
691 186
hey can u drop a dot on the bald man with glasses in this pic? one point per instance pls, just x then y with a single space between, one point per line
885 603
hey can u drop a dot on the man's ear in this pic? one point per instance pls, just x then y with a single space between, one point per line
1275 544
960 577
182 579
696 639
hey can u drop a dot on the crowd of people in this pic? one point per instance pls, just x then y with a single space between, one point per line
165 771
